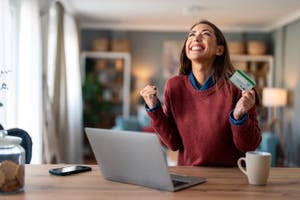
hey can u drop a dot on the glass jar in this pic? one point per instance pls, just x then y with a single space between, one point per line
12 164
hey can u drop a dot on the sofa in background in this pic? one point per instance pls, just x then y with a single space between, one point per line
139 122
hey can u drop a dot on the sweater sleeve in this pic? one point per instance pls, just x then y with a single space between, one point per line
163 123
247 136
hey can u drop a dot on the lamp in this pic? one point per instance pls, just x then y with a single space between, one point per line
274 98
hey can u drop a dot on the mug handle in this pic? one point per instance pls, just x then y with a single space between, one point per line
240 165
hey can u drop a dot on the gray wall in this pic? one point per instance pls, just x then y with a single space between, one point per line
287 75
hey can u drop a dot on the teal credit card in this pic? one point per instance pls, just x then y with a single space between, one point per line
242 80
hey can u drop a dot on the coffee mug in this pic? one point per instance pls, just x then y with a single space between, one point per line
257 167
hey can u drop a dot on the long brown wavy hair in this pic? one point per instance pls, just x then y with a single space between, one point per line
222 66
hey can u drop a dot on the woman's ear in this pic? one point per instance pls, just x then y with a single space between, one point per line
220 50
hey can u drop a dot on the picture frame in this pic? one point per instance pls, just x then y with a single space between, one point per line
171 57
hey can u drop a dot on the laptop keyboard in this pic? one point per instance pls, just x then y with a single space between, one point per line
178 180
177 183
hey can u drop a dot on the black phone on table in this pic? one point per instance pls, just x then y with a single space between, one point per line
68 170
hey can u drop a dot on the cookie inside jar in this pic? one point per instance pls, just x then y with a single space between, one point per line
12 164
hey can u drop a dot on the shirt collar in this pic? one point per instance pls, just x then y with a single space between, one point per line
207 84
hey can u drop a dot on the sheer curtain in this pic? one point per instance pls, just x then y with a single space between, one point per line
62 89
8 64
32 89
74 92
22 58
29 101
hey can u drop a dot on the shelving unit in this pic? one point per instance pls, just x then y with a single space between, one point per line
251 61
109 73
106 91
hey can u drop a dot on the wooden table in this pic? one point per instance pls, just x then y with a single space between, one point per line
222 183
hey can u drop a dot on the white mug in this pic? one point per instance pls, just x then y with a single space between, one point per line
257 167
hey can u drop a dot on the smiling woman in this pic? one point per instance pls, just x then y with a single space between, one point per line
204 117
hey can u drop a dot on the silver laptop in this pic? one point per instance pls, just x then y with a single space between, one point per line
135 158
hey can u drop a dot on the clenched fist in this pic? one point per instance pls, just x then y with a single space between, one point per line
150 93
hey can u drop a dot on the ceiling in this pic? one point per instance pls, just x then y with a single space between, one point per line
179 15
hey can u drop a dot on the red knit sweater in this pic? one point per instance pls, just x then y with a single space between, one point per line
197 124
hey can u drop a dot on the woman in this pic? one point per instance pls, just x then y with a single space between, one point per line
205 117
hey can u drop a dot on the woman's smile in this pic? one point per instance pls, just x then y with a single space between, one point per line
197 47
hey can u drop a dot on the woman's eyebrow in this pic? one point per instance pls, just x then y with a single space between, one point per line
206 30
193 31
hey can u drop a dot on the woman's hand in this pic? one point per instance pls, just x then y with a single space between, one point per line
149 93
244 104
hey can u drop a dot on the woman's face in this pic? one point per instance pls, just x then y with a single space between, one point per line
201 44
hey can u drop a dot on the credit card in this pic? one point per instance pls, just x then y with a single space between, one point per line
242 80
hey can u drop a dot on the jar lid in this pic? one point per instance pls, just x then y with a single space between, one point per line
10 140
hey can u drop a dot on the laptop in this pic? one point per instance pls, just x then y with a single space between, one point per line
135 158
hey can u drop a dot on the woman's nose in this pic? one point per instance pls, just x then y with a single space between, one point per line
197 37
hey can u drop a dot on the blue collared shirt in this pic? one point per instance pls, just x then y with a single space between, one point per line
207 84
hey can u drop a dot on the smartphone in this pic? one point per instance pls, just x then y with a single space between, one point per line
68 170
